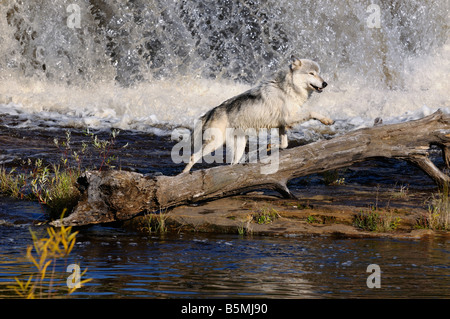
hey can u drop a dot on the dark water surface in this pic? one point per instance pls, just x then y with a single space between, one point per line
123 264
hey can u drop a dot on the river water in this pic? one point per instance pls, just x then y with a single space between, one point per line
149 68
125 264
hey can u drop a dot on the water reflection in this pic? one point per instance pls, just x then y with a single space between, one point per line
125 264
187 266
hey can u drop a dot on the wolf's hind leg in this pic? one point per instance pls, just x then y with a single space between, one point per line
214 141
212 146
194 159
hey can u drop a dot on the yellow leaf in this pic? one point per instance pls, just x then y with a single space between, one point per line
30 256
43 258
63 213
51 232
85 281
64 243
24 288
28 282
19 283
72 236
71 290
35 240
43 271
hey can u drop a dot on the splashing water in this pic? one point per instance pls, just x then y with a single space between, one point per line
155 65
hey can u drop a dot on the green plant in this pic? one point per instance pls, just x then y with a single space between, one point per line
367 221
156 223
61 192
245 227
54 188
311 219
241 230
105 148
374 220
12 184
265 216
438 217
394 223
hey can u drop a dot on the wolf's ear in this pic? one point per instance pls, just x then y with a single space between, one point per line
296 63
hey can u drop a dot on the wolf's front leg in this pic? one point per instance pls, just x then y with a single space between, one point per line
283 138
284 141
239 149
323 119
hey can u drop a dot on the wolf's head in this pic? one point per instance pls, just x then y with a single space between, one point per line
306 75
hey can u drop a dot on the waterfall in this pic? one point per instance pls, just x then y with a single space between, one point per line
134 64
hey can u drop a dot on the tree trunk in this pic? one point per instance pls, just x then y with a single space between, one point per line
118 195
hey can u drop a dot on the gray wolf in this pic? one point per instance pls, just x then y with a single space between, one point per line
276 103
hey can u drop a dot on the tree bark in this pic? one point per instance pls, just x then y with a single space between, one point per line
119 195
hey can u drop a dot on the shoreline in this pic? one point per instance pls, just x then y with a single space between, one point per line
324 211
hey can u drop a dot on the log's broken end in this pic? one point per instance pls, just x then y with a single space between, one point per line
108 196
83 215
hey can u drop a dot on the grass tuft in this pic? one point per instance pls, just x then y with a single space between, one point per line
265 216
156 223
376 221
438 216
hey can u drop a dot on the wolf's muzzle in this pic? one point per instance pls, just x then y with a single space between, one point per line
319 89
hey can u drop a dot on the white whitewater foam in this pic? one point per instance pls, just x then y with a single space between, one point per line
160 106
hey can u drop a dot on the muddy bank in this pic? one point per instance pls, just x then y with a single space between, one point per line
335 211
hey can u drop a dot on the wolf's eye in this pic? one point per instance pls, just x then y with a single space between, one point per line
311 73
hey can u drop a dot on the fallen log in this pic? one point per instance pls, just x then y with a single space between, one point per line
108 196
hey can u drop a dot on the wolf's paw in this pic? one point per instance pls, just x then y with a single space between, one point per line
327 121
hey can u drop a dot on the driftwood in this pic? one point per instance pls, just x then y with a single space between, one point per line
119 195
